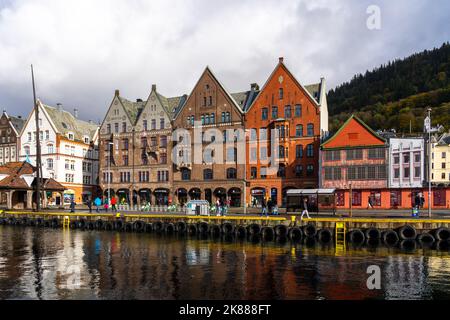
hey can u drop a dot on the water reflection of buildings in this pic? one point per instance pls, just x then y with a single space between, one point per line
34 264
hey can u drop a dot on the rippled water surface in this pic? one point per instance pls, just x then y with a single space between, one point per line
56 264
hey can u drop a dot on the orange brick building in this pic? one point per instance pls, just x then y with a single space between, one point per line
294 111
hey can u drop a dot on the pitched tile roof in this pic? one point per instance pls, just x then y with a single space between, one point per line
66 122
18 123
14 179
444 140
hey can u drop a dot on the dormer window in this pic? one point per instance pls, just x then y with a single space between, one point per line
71 136
86 140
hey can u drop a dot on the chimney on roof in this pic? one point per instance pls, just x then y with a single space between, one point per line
281 59
153 87
139 100
59 106
254 87
75 113
117 93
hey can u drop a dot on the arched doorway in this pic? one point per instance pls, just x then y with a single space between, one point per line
19 200
195 194
161 197
234 194
182 196
145 196
221 194
208 195
258 194
123 196
69 195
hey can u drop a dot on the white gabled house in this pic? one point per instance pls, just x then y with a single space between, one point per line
69 149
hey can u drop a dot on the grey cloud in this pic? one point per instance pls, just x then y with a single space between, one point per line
83 50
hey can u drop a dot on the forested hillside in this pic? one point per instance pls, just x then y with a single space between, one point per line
397 94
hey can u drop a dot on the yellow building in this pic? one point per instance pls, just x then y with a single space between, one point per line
441 161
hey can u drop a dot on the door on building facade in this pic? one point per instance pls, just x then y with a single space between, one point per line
396 199
340 198
162 197
234 194
258 194
375 195
439 198
356 198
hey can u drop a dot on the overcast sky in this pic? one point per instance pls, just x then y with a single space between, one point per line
82 50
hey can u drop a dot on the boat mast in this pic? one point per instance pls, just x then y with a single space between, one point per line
38 146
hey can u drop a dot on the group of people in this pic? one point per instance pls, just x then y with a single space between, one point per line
222 206
98 203
269 207
419 200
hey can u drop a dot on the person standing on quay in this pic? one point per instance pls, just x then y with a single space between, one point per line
106 205
98 203
89 204
72 206
113 204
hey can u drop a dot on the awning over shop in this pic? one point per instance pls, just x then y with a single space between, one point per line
298 192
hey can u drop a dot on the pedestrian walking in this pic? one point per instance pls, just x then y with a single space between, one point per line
106 205
72 206
305 208
369 203
264 208
89 204
98 203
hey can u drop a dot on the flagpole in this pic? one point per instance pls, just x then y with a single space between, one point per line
38 146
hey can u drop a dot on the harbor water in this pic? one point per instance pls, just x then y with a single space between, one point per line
38 263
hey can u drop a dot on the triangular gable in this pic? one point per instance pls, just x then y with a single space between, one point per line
293 78
8 119
159 98
116 96
220 86
354 133
31 117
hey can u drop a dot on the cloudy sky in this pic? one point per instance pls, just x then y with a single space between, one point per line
82 50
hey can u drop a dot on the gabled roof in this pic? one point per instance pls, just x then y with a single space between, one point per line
232 99
16 122
20 175
365 127
132 109
65 122
444 140
246 98
307 92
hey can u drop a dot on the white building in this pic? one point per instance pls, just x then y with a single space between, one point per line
69 149
406 162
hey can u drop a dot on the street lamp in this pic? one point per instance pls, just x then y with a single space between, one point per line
429 161
110 149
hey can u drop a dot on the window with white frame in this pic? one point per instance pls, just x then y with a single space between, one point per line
50 164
